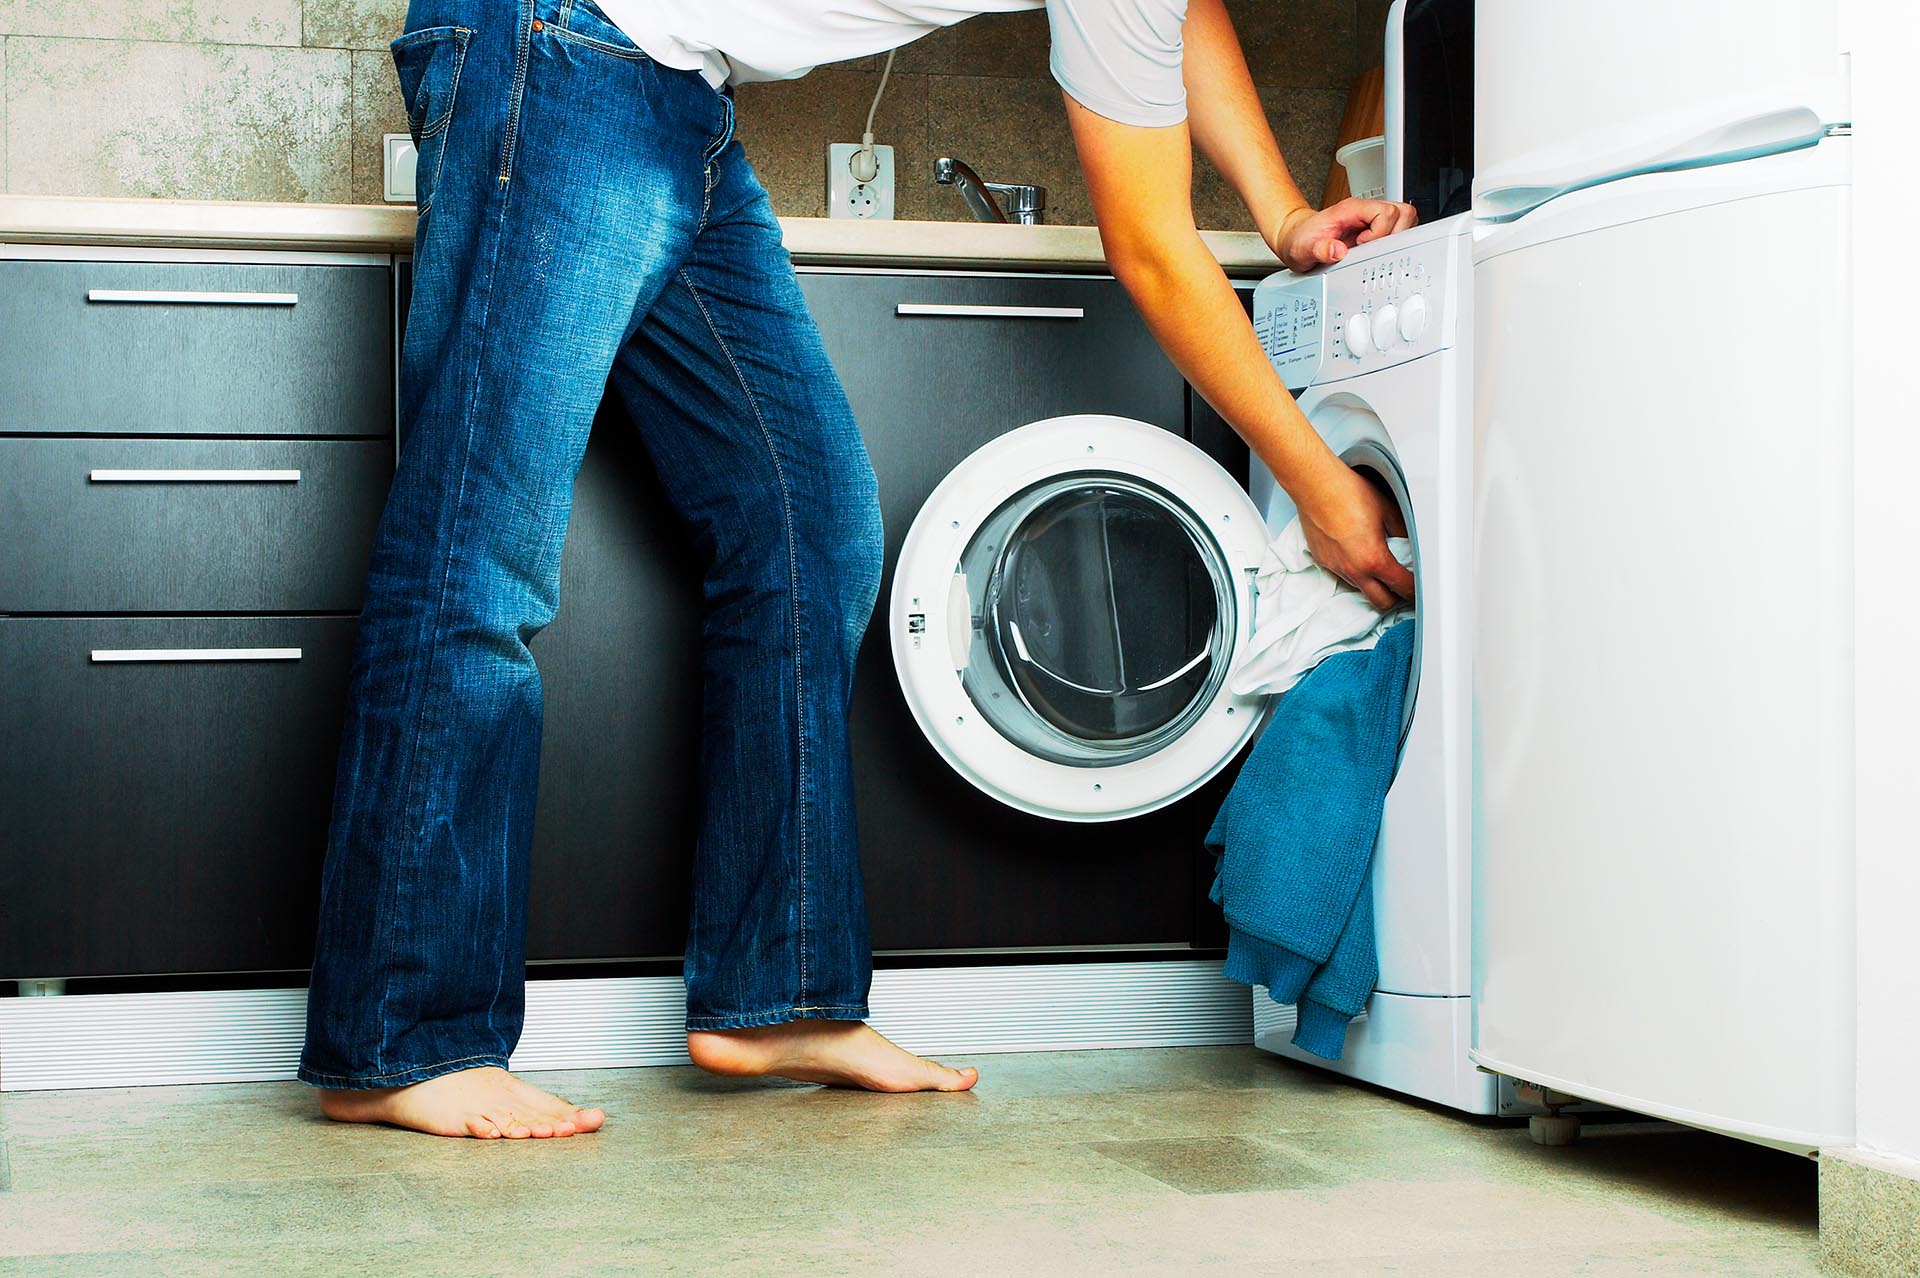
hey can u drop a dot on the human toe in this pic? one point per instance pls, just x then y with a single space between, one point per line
947 1079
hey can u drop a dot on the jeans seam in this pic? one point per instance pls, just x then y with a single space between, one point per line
793 594
745 1020
445 123
598 46
709 173
375 1078
522 53
416 804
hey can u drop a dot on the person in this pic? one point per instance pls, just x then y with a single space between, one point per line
589 226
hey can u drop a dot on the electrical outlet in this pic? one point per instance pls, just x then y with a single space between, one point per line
401 161
847 197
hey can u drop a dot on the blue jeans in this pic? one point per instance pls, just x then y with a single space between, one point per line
588 226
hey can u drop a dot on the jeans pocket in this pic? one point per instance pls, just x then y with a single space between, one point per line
428 63
587 24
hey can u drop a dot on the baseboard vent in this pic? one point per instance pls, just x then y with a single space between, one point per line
230 1036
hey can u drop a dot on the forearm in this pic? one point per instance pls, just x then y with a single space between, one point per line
1227 122
1193 312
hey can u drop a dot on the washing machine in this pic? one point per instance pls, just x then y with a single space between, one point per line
1376 351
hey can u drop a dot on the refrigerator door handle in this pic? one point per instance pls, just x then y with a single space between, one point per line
1509 190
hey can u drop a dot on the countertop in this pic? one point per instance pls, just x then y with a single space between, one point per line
388 227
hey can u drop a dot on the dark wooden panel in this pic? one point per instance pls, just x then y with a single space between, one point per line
947 867
80 546
166 817
620 752
321 367
929 390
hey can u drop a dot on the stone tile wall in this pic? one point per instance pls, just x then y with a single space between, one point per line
288 99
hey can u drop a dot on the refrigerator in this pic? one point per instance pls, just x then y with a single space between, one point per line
1663 873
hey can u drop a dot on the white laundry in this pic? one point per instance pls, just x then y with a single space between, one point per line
1306 614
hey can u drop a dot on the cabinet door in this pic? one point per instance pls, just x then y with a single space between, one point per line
620 752
929 388
946 867
166 811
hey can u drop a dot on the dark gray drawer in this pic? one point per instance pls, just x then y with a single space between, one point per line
230 356
165 815
138 525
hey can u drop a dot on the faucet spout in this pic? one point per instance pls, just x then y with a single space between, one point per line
948 171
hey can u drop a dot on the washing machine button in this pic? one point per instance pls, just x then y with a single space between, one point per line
1385 330
1413 318
1359 338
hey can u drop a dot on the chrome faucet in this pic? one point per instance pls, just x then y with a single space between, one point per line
1025 204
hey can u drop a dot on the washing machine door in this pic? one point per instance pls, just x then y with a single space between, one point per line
1067 611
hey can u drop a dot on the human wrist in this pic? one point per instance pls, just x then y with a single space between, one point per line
1313 479
1287 217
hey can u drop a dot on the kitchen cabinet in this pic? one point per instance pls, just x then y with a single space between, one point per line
168 812
945 867
193 458
619 805
168 816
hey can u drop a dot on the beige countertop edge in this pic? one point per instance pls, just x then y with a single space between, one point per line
383 228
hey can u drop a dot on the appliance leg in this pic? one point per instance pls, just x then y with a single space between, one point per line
43 987
1552 1127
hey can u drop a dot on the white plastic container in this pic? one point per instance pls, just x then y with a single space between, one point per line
1366 164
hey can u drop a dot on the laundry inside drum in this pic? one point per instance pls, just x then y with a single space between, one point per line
1101 611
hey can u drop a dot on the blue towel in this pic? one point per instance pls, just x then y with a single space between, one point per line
1294 840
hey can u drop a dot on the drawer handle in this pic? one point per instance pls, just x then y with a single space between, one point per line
194 476
101 655
191 298
991 312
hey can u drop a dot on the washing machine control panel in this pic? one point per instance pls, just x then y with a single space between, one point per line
1386 304
1289 321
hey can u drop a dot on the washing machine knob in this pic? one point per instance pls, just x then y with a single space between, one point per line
1413 317
1358 336
1386 326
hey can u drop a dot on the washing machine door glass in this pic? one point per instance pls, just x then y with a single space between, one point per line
1101 616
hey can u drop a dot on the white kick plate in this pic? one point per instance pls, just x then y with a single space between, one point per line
233 1036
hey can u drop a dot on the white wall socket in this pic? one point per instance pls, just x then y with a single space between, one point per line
401 160
847 197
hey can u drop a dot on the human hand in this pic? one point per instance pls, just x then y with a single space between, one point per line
1347 522
1307 238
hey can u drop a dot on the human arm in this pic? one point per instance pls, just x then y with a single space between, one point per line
1140 180
1229 126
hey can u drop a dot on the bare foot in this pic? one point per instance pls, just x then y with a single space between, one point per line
487 1103
837 1053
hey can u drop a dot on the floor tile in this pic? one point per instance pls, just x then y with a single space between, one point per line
234 1214
1209 1161
1214 1164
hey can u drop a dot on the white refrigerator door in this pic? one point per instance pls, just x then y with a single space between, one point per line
1567 94
1663 857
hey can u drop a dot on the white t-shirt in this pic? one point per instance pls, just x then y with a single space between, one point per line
1119 58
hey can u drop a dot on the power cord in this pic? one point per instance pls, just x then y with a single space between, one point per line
864 164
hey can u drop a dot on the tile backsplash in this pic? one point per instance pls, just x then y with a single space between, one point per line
288 99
